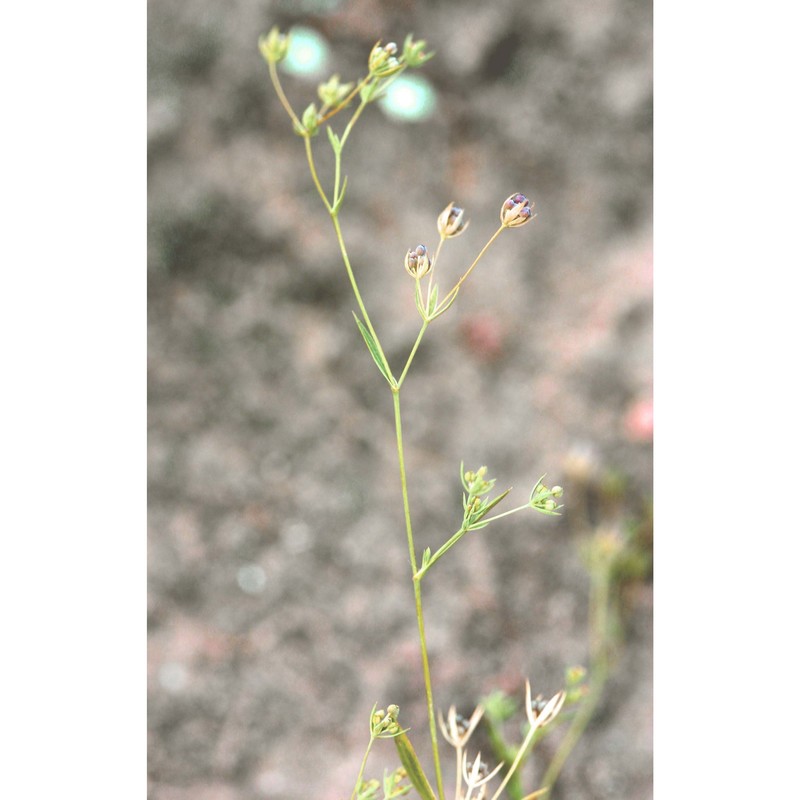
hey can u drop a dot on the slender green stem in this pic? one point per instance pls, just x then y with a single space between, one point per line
345 135
313 169
413 352
337 176
363 765
439 553
472 266
356 292
506 513
276 82
417 597
599 675
521 753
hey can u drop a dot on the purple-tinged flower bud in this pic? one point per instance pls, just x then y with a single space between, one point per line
451 222
516 211
417 262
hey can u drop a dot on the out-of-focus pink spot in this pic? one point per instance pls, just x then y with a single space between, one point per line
484 336
639 421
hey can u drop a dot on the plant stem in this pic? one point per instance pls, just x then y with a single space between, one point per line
471 267
520 755
276 82
354 284
417 596
363 765
506 513
313 168
413 352
440 552
599 674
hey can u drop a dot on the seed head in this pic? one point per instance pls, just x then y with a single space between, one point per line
417 262
457 730
516 211
451 222
539 711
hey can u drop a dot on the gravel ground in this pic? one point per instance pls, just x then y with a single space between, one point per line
280 607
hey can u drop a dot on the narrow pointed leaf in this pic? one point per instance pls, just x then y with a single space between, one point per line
493 503
375 353
334 139
409 760
340 199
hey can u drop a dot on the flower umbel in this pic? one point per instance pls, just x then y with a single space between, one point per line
476 773
516 211
539 711
458 730
383 61
451 222
418 262
274 46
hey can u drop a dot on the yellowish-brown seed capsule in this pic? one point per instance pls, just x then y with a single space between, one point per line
417 262
516 211
451 222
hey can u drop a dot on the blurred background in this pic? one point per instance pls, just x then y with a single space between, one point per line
279 605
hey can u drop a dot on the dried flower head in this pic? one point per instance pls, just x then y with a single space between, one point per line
516 211
539 711
458 730
476 773
417 262
451 222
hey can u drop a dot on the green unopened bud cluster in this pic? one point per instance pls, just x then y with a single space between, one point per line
274 46
383 59
333 92
413 53
476 507
543 499
384 725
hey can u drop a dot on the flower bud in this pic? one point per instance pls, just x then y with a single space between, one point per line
332 92
382 61
516 211
274 46
451 222
412 52
418 262
311 120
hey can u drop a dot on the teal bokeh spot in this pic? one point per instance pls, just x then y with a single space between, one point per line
308 54
410 98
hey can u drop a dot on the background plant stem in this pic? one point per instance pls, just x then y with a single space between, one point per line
599 670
